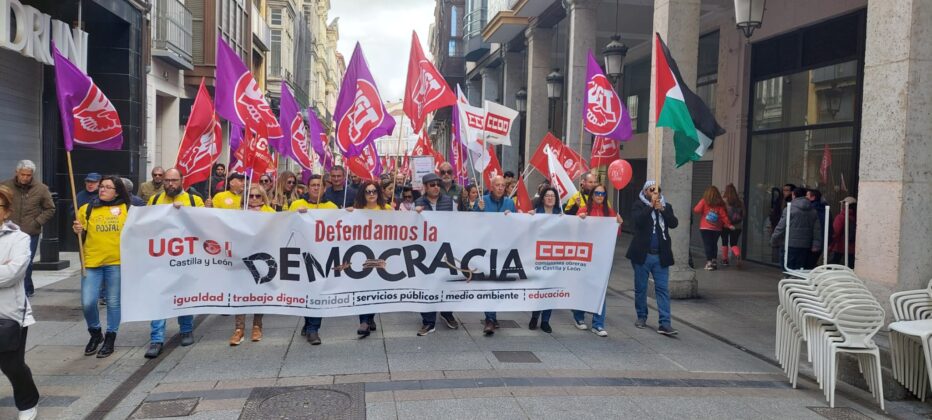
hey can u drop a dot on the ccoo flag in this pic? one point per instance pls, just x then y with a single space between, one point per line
603 113
296 143
88 118
238 97
425 89
360 116
202 141
694 127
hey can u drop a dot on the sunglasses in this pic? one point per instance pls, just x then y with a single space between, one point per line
157 175
255 195
408 196
265 181
433 184
372 192
450 172
599 193
290 182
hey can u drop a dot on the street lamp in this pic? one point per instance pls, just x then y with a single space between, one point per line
749 15
521 100
554 84
614 56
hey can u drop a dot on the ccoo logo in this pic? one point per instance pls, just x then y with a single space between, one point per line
603 107
95 118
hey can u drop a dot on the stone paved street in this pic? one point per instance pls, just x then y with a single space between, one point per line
450 374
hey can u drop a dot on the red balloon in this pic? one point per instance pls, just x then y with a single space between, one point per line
620 172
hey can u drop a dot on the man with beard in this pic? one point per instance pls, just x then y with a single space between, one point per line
579 199
153 187
175 195
448 185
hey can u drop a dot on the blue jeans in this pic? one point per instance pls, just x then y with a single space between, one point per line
311 324
430 318
491 316
186 322
90 291
544 315
598 320
661 276
33 245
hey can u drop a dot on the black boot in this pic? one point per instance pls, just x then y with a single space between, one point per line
107 348
533 324
96 339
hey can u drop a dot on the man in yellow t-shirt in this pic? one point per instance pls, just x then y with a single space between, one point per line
589 182
175 195
232 198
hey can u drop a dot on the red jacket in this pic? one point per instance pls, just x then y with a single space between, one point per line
838 229
704 224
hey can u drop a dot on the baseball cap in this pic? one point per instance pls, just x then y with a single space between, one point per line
92 177
235 175
431 177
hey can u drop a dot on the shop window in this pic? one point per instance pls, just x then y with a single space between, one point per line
818 96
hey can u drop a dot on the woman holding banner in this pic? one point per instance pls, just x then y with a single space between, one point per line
258 200
369 196
596 206
99 225
285 191
549 203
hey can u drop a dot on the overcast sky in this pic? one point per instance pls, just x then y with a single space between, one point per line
383 28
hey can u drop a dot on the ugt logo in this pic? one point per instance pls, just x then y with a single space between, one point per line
426 88
95 118
251 107
603 108
299 142
205 149
363 116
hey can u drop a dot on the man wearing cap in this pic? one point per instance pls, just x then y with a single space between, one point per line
433 200
89 193
232 198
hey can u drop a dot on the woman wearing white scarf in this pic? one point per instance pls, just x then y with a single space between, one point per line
651 254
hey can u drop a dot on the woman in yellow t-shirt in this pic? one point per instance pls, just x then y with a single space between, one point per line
99 224
368 197
258 201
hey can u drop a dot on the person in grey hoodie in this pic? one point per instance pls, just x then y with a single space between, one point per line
14 305
803 231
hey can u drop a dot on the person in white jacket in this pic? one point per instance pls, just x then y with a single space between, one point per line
14 259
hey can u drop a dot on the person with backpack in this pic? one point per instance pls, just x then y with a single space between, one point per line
837 247
713 217
735 210
99 225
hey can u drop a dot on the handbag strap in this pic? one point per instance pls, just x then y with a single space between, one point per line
25 308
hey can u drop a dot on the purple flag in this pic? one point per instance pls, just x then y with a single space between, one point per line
458 150
360 116
295 143
238 98
319 140
88 118
603 113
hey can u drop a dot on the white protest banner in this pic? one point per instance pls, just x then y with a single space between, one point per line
335 263
422 165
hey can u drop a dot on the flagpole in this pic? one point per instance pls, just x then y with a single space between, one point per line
74 202
401 129
658 152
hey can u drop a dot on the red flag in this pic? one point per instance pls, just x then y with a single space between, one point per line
493 169
366 165
522 199
826 163
423 147
571 161
604 151
425 89
406 166
254 151
202 140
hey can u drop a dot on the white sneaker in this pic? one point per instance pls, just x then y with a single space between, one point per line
600 332
581 325
29 414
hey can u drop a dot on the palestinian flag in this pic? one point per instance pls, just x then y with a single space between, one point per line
678 108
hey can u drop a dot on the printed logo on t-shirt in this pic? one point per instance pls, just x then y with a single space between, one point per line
115 211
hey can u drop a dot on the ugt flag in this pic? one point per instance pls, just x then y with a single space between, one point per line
694 127
88 118
319 140
360 116
367 164
603 113
238 97
425 89
296 144
202 141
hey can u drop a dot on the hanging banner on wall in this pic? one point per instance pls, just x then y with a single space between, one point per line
335 263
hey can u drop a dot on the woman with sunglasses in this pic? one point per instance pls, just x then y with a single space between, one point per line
99 224
368 197
596 206
471 200
407 199
548 203
258 200
285 191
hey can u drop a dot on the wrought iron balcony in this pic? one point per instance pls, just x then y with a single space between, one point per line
172 41
261 33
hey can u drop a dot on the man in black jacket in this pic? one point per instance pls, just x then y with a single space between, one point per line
433 200
651 254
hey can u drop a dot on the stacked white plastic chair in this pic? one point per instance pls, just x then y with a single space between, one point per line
910 346
832 311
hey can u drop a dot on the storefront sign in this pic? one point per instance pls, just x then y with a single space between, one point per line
336 263
28 31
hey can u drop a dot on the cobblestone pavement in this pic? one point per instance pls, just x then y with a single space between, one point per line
515 374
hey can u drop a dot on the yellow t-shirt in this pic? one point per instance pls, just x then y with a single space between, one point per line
228 200
102 243
576 199
302 203
184 198
267 209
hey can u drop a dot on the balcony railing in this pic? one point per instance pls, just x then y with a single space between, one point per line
261 33
173 29
474 21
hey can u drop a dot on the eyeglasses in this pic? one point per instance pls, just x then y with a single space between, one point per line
265 181
599 193
449 172
372 192
157 175
255 195
107 187
433 184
